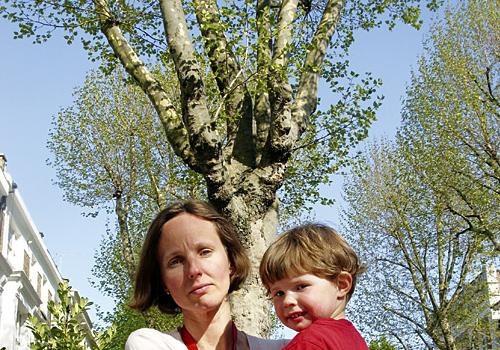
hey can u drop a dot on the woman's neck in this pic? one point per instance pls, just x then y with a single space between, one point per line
211 330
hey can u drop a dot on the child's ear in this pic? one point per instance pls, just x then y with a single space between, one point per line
344 283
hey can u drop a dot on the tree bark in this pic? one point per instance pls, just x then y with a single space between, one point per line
250 306
124 237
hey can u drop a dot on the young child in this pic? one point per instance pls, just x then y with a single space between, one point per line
310 273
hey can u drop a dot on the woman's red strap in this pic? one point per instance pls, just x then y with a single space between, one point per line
190 343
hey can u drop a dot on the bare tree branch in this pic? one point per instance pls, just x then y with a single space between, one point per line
175 131
202 133
262 110
306 100
230 81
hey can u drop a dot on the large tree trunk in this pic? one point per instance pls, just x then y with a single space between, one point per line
250 306
249 200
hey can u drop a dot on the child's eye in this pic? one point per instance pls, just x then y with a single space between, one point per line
302 286
278 294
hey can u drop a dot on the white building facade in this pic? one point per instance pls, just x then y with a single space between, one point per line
481 329
28 275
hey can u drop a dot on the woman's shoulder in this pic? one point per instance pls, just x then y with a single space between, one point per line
148 338
256 343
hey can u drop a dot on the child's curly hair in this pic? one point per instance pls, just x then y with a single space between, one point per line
311 248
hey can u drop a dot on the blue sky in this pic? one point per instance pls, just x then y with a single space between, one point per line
38 80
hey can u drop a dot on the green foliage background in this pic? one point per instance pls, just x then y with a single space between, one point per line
423 209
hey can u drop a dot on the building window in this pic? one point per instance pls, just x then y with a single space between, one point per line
39 283
3 206
26 264
11 240
1 229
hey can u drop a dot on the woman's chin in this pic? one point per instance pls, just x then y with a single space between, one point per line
204 303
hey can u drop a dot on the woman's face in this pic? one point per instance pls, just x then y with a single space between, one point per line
195 268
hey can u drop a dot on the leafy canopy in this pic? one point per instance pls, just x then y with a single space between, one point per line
330 134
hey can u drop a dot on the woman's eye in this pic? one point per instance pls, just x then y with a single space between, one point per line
174 262
205 252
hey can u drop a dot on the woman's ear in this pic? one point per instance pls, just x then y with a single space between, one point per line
344 284
164 287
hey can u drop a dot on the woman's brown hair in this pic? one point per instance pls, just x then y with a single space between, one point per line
149 290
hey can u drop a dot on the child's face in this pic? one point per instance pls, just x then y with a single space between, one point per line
300 300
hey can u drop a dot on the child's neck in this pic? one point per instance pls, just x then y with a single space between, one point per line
339 312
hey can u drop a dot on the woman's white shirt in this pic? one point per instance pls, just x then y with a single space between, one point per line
151 339
148 338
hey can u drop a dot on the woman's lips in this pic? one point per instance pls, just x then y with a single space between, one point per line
200 289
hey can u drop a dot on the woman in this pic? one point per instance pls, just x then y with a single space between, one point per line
191 260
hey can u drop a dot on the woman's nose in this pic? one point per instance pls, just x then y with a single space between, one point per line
193 268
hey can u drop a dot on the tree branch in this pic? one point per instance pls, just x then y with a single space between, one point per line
401 342
421 269
404 317
175 131
280 89
285 23
306 100
222 60
202 133
427 345
488 93
408 296
464 272
231 83
262 109
392 262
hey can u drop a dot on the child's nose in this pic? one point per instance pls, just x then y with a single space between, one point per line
289 300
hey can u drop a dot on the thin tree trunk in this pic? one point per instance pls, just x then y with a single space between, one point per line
124 237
